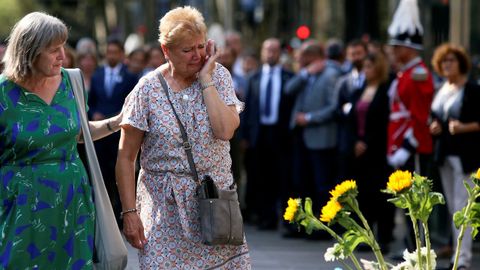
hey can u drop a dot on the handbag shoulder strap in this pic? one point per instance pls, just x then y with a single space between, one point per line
186 144
76 79
107 235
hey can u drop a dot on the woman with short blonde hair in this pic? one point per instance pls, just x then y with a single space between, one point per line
161 215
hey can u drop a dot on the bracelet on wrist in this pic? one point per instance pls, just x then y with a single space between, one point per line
133 210
207 85
110 127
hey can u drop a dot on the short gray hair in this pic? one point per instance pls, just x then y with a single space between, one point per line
29 37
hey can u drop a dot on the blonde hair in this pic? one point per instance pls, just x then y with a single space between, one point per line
180 23
29 37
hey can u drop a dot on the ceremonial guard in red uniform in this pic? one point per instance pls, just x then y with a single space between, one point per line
411 93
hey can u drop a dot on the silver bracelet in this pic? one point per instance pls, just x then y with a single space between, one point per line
127 211
206 85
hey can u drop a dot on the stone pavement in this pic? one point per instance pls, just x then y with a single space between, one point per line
269 251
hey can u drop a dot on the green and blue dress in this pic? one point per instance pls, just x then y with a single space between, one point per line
46 208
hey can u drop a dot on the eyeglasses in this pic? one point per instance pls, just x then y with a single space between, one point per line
449 59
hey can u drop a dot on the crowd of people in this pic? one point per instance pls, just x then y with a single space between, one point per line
313 116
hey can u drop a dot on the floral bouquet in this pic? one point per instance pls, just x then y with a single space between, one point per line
410 192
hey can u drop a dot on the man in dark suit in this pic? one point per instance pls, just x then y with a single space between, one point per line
346 88
266 134
110 86
313 123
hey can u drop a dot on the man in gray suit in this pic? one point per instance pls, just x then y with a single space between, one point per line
313 122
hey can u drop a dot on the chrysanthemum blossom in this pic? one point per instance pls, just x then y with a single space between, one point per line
478 174
291 209
334 253
399 181
330 210
412 257
343 188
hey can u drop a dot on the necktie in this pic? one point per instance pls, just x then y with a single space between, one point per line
268 97
109 83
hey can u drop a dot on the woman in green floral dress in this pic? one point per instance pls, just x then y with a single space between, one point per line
46 208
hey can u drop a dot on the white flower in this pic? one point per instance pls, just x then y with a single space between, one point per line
403 266
412 258
334 253
370 265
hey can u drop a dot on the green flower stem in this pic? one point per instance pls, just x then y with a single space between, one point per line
427 243
346 265
471 200
353 203
417 241
318 224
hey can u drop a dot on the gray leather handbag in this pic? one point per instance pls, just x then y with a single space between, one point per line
220 217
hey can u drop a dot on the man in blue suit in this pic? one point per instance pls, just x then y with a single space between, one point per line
110 86
266 134
313 123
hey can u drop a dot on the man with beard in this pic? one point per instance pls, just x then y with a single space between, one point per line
346 87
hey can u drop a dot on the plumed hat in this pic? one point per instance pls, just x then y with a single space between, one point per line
406 29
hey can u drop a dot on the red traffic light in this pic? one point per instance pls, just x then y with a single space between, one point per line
303 32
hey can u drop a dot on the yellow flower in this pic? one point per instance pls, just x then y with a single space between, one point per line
291 209
478 174
330 210
399 181
342 188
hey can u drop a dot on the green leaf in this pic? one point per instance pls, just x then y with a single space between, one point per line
468 188
300 215
308 206
474 232
353 239
436 198
344 219
476 181
459 218
388 191
399 202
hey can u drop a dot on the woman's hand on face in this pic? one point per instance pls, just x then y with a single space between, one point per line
205 74
133 230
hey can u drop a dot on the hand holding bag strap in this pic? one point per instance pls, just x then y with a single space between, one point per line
186 144
111 250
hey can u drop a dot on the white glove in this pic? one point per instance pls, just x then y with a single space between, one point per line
399 158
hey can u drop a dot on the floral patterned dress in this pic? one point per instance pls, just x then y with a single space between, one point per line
166 192
46 208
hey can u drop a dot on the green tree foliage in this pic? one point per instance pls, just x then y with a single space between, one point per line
11 11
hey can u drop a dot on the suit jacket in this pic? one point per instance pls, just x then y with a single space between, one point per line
345 90
99 101
320 103
250 118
